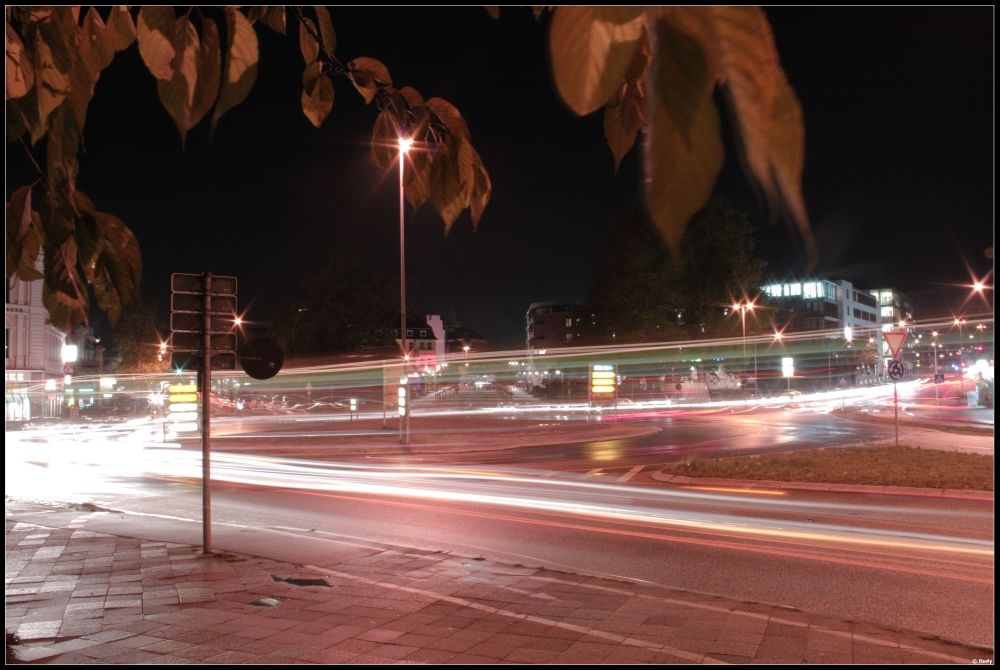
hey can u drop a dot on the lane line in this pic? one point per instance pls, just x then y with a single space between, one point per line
631 473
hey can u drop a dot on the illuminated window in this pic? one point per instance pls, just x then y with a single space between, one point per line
887 311
796 289
569 323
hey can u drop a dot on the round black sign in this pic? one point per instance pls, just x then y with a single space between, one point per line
264 358
896 370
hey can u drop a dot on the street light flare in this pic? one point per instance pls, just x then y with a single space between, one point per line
404 144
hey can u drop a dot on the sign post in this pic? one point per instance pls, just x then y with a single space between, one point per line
896 371
199 327
894 339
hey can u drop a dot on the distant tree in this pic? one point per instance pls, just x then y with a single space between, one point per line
651 69
644 293
339 308
137 337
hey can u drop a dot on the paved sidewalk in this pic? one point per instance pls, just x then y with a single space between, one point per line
77 596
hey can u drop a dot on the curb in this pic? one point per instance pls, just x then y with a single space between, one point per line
679 480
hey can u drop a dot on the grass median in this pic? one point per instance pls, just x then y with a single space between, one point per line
879 466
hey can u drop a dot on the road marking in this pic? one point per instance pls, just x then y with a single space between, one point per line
631 473
595 471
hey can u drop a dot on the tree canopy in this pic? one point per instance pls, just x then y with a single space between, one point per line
651 69
136 339
644 293
339 308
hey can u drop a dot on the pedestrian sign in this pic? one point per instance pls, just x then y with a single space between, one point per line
894 339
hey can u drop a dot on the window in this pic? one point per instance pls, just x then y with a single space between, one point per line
569 323
569 336
796 289
409 333
423 333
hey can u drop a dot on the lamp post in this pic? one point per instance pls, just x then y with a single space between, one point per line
743 308
934 349
404 146
961 372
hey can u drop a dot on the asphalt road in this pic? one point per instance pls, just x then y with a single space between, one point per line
916 563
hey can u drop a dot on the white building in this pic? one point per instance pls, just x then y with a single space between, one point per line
822 304
33 367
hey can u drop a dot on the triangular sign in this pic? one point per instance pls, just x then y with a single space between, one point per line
895 339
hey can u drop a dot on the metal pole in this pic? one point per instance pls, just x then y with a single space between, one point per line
895 407
829 371
206 390
743 321
937 399
404 433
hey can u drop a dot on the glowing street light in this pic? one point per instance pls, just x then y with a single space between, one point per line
405 143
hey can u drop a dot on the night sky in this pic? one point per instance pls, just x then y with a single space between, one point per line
898 105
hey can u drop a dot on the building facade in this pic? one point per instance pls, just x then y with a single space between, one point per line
33 367
549 325
894 307
822 304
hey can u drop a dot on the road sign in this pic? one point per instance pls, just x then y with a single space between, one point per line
191 283
938 377
221 344
263 360
894 339
182 322
603 381
896 370
189 362
195 302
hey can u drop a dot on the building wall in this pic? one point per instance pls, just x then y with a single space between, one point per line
821 304
32 352
550 325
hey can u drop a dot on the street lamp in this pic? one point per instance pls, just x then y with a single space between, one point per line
404 146
743 308
961 372
934 349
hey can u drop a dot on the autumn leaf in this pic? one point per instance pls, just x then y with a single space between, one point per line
155 33
20 73
177 93
591 48
326 33
685 150
120 28
317 94
367 74
307 41
24 236
240 70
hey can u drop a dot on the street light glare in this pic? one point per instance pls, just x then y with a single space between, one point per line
978 286
404 144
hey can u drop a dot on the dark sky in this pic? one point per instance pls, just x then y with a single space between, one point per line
898 106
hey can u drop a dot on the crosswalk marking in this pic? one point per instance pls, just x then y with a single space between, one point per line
595 471
631 473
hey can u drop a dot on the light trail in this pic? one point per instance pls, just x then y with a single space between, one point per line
667 508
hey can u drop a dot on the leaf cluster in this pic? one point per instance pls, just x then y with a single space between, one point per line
204 61
658 69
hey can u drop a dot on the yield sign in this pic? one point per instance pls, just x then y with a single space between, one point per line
895 339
